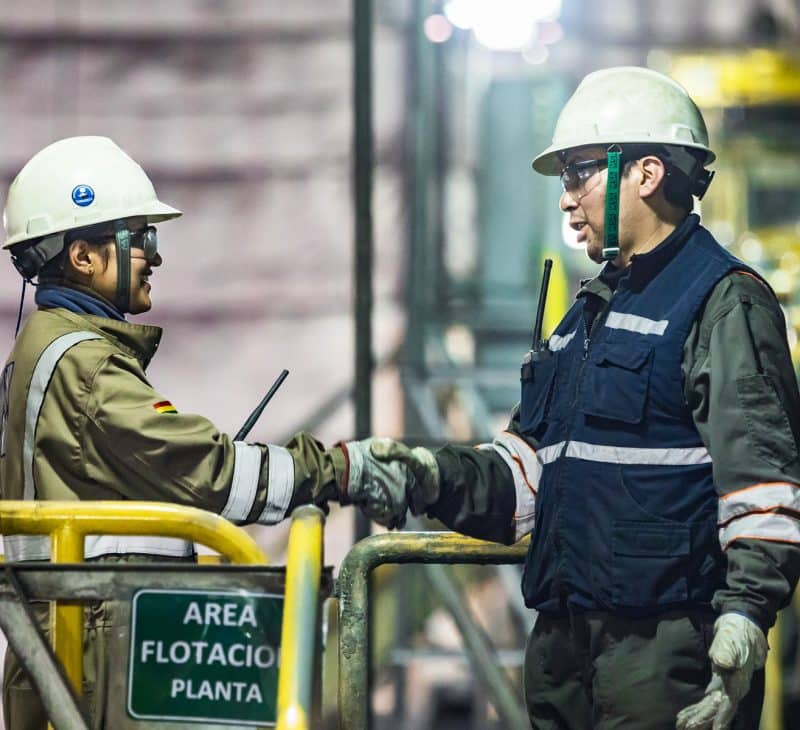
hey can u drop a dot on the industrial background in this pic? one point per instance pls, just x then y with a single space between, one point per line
242 113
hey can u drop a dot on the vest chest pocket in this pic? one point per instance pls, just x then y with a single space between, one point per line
536 379
616 382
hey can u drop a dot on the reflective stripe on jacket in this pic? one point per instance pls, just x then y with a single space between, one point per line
83 422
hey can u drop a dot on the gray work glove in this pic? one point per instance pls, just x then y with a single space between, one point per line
739 649
379 488
422 463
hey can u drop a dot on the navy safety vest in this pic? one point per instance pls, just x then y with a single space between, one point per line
626 513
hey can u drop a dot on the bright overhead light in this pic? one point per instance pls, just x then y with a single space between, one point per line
461 12
502 25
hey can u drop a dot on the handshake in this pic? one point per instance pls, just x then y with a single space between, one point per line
385 478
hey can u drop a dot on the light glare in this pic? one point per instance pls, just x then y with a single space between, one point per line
437 28
461 12
502 24
536 54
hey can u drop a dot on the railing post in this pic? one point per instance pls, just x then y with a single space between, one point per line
66 617
300 608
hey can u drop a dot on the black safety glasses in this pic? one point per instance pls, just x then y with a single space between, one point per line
147 240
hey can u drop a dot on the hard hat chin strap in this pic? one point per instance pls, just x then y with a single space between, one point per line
611 235
122 241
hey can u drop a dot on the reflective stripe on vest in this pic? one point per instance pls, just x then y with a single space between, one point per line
625 455
635 323
37 547
558 342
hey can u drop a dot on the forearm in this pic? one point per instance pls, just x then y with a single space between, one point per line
315 470
760 580
477 496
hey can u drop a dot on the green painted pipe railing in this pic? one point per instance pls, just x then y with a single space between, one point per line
353 590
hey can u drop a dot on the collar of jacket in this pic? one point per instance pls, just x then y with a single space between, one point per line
644 267
138 340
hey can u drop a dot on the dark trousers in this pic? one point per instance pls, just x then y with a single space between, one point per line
604 671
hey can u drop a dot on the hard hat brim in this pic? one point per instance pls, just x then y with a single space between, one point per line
154 212
549 161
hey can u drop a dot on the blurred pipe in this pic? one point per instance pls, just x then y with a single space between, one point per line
362 189
362 206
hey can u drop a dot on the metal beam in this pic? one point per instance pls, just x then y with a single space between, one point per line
362 207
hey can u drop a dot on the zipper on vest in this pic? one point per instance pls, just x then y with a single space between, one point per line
601 317
558 476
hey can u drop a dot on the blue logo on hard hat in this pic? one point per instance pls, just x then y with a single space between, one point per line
82 195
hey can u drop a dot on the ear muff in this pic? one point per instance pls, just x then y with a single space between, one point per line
29 259
701 183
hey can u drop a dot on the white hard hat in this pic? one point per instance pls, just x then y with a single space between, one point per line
626 104
75 183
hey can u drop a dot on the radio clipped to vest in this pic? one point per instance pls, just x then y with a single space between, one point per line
539 350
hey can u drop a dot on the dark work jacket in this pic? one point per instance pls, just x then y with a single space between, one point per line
626 514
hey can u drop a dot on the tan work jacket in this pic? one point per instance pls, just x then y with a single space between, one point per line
81 421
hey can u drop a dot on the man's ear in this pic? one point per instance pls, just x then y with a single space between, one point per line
654 174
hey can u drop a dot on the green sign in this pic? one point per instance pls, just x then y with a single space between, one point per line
209 656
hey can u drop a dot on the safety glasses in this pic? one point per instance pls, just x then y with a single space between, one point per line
147 240
575 176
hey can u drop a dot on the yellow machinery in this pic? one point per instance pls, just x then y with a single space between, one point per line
751 101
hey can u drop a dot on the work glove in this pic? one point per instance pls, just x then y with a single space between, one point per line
424 491
379 488
739 648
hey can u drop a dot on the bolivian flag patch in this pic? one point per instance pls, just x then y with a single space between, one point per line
164 406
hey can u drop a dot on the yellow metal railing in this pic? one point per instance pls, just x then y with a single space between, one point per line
300 609
68 523
772 713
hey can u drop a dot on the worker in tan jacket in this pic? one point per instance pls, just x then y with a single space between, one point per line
79 418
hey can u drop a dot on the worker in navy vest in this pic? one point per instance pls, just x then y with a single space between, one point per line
654 455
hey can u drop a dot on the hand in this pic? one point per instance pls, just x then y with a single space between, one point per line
422 463
739 648
379 488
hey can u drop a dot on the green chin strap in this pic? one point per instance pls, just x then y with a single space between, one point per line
122 239
611 236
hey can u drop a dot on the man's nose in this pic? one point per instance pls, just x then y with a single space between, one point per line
567 201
